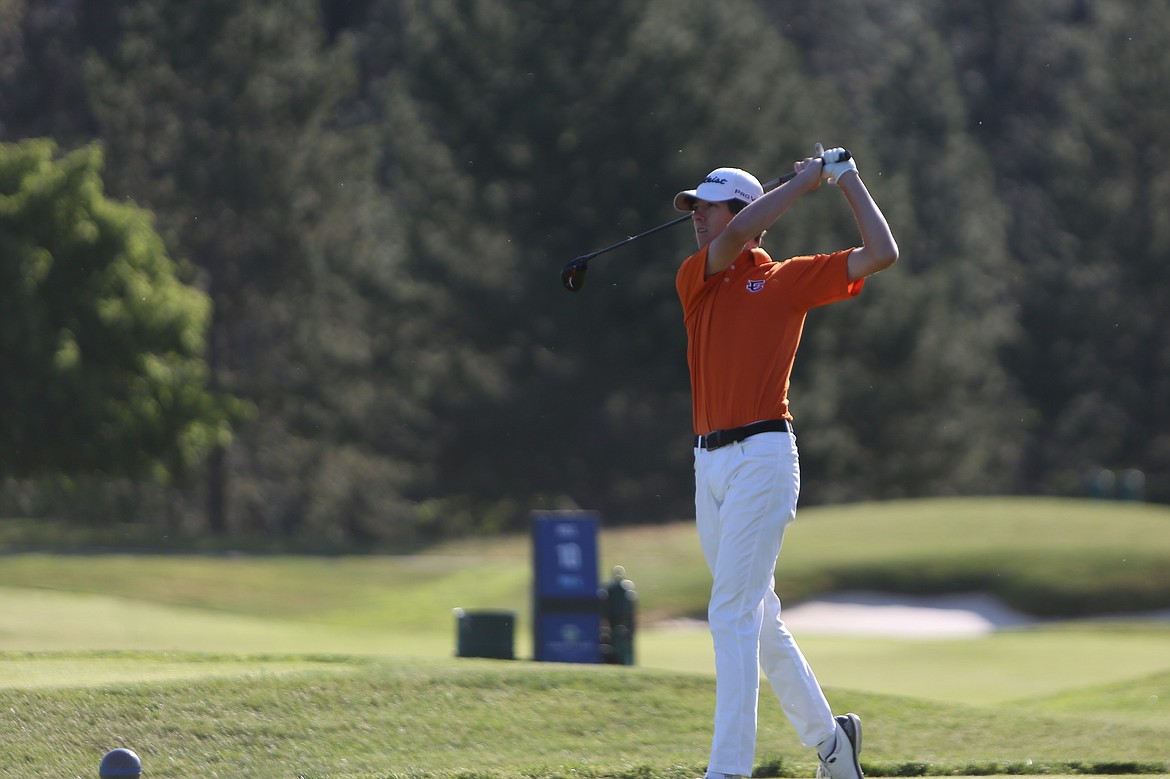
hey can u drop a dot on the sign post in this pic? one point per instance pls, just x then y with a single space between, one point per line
566 619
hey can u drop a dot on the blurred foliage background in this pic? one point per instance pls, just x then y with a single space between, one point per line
348 219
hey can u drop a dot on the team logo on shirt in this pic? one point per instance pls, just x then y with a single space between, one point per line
755 285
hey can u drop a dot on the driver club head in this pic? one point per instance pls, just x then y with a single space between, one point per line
573 275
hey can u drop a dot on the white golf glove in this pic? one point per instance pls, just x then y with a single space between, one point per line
834 167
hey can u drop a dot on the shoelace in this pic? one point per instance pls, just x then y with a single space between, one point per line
823 765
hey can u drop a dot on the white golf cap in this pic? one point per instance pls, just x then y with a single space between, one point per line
721 184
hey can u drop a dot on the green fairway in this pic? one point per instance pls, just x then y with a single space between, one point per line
39 620
112 669
1001 668
343 666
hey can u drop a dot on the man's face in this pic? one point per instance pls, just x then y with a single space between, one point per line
710 219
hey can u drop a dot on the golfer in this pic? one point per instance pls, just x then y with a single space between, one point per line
744 314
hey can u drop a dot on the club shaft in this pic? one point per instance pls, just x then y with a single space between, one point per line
780 180
623 242
586 257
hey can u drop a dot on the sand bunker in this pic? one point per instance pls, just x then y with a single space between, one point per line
878 614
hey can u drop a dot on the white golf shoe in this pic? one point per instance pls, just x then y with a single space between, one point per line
845 760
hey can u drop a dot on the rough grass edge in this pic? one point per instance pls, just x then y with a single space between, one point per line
787 769
1026 768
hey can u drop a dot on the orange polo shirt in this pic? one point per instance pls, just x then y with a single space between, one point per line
744 326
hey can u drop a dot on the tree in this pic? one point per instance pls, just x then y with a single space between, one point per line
377 196
102 366
1059 94
222 117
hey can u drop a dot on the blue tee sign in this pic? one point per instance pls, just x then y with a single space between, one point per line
566 617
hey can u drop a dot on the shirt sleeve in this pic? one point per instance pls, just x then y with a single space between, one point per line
820 279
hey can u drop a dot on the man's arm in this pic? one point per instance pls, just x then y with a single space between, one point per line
759 215
878 249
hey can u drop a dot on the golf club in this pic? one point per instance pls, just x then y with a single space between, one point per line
573 274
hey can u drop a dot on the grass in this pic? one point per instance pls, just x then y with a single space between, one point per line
61 670
283 666
1146 699
389 718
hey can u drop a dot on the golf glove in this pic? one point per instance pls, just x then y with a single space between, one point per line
834 166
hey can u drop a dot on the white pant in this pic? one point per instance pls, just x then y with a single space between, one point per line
745 497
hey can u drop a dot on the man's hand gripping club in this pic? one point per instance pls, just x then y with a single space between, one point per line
834 166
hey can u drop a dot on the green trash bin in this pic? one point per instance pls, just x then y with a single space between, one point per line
485 633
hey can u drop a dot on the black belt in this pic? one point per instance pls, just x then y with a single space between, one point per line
718 438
